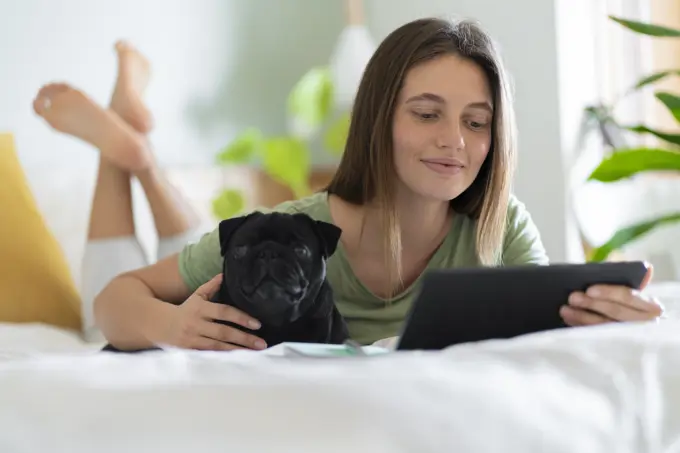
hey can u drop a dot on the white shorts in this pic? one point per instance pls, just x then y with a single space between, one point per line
104 259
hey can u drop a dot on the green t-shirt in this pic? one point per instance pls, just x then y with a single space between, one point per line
371 318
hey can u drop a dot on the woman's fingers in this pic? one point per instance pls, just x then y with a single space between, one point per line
620 295
612 310
218 311
222 312
576 317
618 303
226 334
196 327
208 290
208 344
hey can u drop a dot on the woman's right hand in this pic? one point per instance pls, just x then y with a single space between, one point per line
192 324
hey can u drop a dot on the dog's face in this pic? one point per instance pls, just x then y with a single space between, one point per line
275 263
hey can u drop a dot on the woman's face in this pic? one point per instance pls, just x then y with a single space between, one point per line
442 127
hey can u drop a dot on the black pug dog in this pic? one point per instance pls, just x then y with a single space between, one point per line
275 271
274 268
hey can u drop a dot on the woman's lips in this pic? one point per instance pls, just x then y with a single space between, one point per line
444 166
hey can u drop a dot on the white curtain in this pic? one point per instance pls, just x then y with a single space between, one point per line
623 58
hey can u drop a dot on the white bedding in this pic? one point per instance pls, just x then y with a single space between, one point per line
606 389
26 340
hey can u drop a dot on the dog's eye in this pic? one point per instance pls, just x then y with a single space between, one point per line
240 252
302 252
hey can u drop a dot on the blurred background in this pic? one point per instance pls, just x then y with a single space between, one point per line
221 67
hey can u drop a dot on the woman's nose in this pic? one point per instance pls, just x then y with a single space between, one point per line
451 136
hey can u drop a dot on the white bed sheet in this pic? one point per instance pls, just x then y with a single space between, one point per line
606 389
31 340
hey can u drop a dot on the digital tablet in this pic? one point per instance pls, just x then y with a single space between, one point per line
467 305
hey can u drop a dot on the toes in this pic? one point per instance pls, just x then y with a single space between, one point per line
124 46
41 104
43 99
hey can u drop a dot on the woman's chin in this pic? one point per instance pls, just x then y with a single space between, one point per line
441 194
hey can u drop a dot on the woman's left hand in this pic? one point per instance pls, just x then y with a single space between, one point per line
606 303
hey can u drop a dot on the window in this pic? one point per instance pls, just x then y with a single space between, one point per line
664 53
624 57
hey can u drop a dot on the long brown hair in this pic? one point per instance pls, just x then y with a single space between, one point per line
366 173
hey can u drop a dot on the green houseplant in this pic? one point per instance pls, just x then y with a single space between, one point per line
626 162
286 158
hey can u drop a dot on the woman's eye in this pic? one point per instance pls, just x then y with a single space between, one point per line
426 116
475 125
240 252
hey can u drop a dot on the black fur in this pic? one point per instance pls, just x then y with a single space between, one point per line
289 250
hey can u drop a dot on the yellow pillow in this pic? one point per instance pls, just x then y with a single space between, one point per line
35 281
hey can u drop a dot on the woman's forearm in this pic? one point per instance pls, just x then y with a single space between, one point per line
129 315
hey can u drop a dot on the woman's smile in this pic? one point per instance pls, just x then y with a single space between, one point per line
444 165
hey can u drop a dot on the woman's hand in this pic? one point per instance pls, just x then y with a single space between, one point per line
193 325
607 303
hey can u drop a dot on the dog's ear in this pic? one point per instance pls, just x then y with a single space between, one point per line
327 233
227 227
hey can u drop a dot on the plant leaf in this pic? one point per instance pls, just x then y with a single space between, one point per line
242 148
311 99
228 204
672 103
647 28
625 163
642 129
629 234
336 134
654 78
287 160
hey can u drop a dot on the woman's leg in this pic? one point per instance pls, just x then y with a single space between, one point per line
112 247
174 219
176 223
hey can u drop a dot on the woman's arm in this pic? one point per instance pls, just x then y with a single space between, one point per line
132 310
169 303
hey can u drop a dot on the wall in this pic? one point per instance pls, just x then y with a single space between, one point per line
219 65
223 65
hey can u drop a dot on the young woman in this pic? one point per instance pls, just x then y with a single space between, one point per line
424 183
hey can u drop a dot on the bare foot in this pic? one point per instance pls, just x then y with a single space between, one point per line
133 78
72 112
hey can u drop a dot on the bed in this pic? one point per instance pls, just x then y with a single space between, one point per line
604 389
